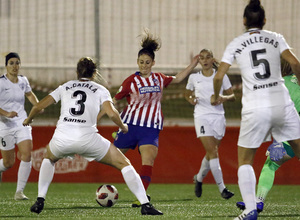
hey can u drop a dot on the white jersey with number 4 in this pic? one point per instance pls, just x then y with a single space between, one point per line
257 53
204 88
80 105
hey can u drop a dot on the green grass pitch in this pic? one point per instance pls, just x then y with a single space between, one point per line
176 201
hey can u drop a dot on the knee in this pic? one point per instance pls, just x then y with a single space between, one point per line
26 157
8 163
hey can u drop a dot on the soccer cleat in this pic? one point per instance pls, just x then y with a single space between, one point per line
252 215
198 187
259 206
148 209
137 203
226 194
38 206
20 196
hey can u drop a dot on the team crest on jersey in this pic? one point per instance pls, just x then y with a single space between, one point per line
22 86
156 82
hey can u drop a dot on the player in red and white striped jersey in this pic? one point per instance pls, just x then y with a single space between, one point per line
143 91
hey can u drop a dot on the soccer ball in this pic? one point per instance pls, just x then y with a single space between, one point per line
107 195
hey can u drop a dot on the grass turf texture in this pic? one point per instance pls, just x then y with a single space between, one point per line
176 201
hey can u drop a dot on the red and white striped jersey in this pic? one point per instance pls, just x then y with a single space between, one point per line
144 99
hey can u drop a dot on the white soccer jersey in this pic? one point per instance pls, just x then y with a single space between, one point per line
204 89
80 105
12 98
257 53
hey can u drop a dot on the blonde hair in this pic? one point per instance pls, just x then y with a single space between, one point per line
216 64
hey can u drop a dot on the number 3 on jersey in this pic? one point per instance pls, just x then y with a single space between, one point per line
81 96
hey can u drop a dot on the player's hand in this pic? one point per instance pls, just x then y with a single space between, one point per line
215 101
12 114
125 129
276 151
26 122
192 100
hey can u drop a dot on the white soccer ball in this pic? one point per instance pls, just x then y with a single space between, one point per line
107 195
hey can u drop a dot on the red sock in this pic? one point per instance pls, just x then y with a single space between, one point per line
146 173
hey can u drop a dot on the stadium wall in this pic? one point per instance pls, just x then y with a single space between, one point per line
179 158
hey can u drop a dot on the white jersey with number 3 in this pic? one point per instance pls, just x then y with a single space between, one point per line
80 105
257 53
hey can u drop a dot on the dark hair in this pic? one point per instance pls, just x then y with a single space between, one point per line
86 67
11 55
254 14
149 44
216 64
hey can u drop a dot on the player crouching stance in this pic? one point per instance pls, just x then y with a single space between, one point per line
81 100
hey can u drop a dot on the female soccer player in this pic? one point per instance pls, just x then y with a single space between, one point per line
278 153
209 120
267 106
76 133
13 89
143 91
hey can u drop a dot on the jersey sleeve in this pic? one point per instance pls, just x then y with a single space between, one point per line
105 96
190 84
228 56
124 89
283 45
27 86
167 79
56 94
226 83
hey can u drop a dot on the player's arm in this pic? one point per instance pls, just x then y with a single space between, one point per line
228 95
32 98
188 95
113 114
44 103
291 58
218 80
8 114
180 76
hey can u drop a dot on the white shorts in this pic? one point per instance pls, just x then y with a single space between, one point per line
210 125
257 126
91 147
10 137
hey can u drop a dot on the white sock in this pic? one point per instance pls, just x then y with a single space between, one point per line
23 174
204 169
247 182
217 173
45 177
134 183
2 167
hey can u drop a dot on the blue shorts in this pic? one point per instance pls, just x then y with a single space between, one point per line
137 136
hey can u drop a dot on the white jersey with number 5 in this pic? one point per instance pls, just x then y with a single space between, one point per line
80 105
257 53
